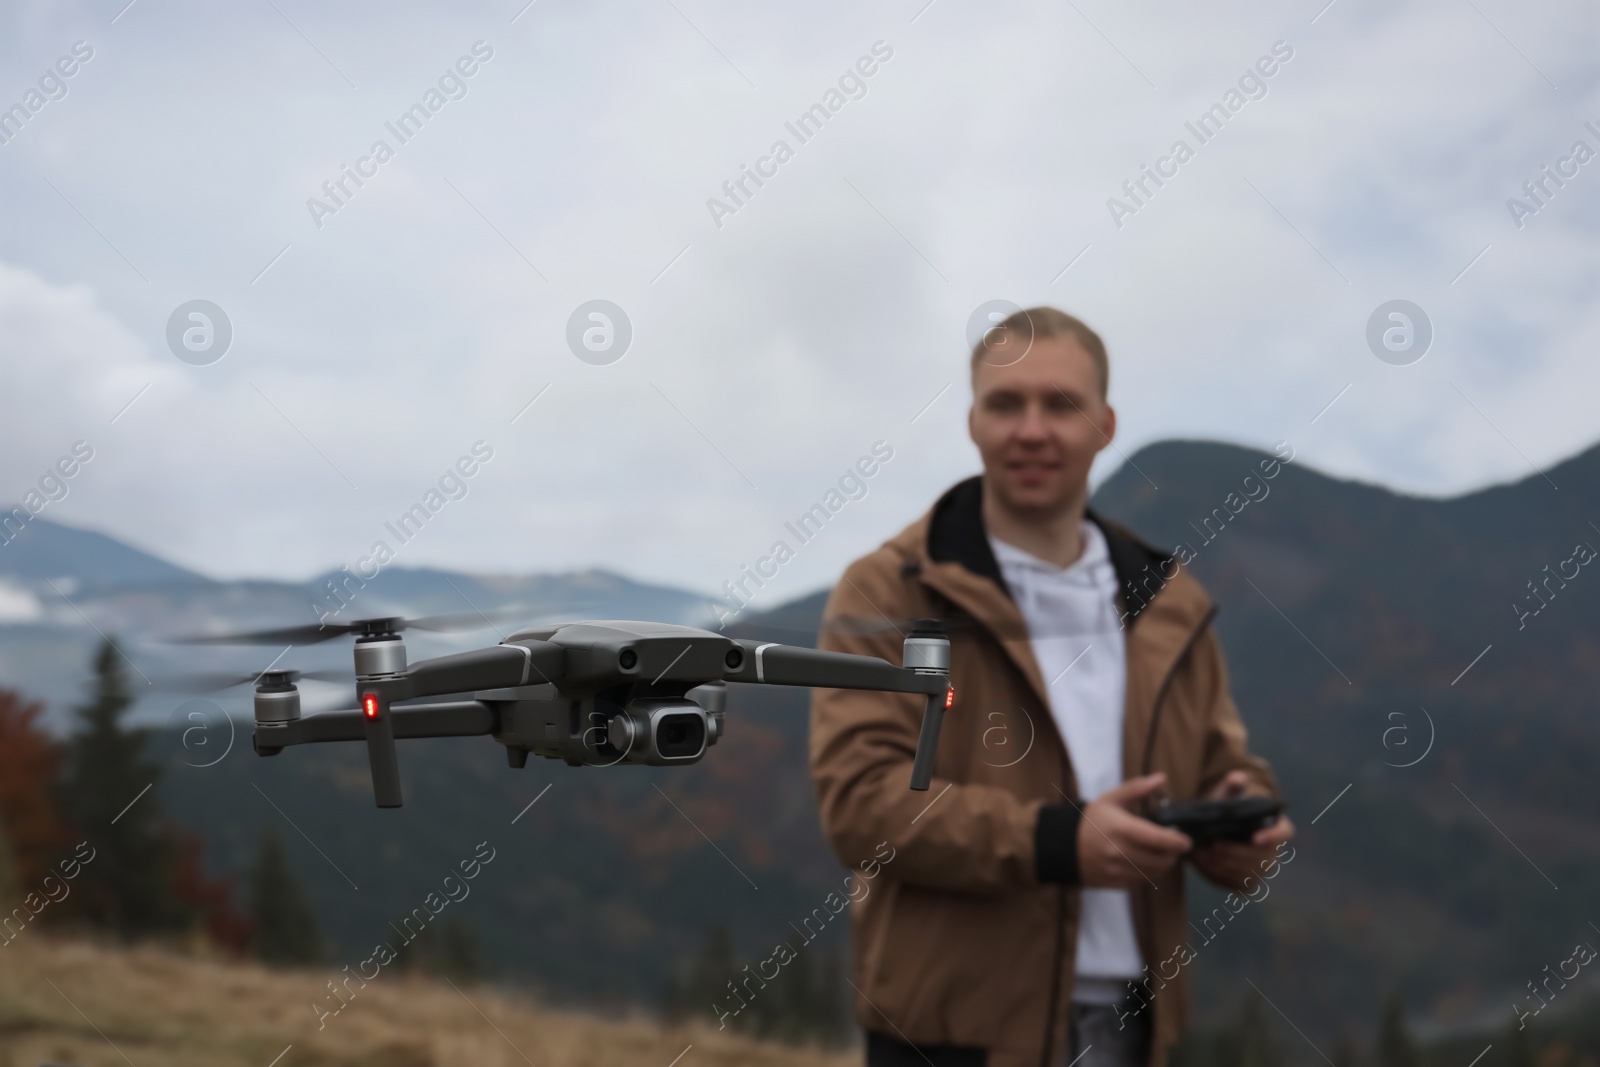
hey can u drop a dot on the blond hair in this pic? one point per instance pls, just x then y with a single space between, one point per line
1038 322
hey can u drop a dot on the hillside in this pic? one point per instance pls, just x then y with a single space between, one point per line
78 1003
1366 631
1363 625
1436 745
61 587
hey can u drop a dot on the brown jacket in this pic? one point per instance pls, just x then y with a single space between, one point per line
968 941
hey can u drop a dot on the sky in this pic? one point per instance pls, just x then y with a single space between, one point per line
564 153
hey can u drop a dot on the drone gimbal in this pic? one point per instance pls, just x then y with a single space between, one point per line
589 693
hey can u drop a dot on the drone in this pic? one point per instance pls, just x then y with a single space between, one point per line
590 693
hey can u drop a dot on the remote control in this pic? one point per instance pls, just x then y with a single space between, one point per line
1206 821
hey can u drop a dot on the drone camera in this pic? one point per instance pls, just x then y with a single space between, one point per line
660 732
681 735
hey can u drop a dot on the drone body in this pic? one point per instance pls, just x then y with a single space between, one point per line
593 693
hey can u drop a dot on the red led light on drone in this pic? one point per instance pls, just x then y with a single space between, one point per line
369 705
950 698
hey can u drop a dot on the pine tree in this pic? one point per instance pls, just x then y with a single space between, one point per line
10 888
700 989
108 797
412 950
1345 1050
1395 1045
456 954
1194 1049
787 1009
286 930
1256 1046
1519 1046
833 1007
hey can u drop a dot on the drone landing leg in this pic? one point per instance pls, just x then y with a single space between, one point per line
385 764
928 741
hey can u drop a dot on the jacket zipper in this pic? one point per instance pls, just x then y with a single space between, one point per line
1061 895
1055 969
1166 684
1055 977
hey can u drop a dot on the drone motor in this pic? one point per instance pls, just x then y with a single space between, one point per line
277 698
380 654
926 651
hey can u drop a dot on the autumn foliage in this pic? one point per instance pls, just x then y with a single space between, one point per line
29 763
148 877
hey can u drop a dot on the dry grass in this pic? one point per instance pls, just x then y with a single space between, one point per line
71 1002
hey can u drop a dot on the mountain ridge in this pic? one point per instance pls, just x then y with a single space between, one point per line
1429 843
44 547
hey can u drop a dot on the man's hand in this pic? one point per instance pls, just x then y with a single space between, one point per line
1118 849
1234 863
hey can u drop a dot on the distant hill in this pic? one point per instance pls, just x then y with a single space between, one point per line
1365 629
88 560
61 587
1351 615
1355 617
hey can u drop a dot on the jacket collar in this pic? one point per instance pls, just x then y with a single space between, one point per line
948 550
956 534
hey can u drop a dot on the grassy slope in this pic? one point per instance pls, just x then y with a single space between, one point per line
78 1003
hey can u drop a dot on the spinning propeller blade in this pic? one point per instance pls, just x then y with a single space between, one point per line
207 683
315 633
882 625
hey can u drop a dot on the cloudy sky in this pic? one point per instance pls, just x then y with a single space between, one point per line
378 336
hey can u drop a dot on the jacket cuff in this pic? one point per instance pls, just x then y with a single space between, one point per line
1055 844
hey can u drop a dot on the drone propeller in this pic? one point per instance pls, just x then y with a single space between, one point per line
315 633
883 625
207 683
868 625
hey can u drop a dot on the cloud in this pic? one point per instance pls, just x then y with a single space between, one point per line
823 316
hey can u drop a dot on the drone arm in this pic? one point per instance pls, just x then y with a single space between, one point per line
380 725
460 718
775 664
499 667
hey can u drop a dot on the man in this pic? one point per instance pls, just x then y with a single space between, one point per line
1028 900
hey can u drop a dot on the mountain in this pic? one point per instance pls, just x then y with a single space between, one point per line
61 588
44 550
1429 656
1421 674
1429 713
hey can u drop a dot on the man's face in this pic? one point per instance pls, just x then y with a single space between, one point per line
1039 423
